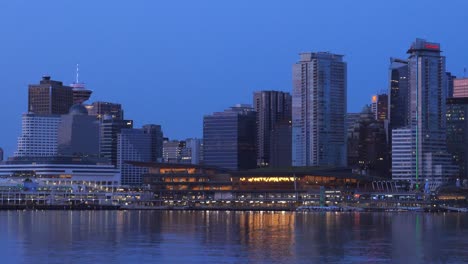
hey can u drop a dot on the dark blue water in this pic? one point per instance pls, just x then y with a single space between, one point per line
230 237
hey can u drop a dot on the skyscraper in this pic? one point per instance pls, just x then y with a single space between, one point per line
457 132
157 136
319 110
49 97
78 134
1 154
273 110
399 97
133 145
192 151
229 138
109 129
172 151
38 136
427 120
379 106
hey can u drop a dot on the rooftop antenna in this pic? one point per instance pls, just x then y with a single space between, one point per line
77 72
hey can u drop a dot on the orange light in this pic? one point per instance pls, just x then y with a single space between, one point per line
374 98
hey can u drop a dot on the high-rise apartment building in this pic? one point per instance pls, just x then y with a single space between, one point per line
49 97
273 110
109 129
133 145
38 136
157 136
427 116
319 110
229 138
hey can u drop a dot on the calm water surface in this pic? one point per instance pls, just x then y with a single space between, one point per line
230 237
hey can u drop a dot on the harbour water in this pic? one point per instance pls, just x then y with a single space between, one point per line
231 237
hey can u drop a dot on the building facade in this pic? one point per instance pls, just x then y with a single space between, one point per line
457 132
229 138
133 145
319 110
157 137
427 116
102 109
273 110
399 94
78 133
460 87
108 137
39 135
379 107
49 97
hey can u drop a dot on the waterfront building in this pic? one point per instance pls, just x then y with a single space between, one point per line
319 110
78 133
368 151
157 137
457 132
49 97
427 117
229 138
379 107
172 151
38 136
62 171
460 87
273 108
106 109
196 185
109 129
399 94
132 145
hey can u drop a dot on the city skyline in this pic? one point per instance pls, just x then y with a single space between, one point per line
262 62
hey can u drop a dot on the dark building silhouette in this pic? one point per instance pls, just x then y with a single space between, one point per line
78 134
450 84
229 138
273 108
157 136
49 97
399 93
281 145
110 128
1 154
457 132
367 146
101 109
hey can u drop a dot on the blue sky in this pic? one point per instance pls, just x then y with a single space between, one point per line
171 62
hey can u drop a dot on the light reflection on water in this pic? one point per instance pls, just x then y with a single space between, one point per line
230 237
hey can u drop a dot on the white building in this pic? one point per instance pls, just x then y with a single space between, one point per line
38 136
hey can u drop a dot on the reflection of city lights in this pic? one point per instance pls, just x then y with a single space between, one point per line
268 179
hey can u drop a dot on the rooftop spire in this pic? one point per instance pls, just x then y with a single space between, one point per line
77 73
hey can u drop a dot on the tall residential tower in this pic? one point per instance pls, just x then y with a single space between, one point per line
319 110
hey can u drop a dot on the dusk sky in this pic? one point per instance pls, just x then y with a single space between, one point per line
171 62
